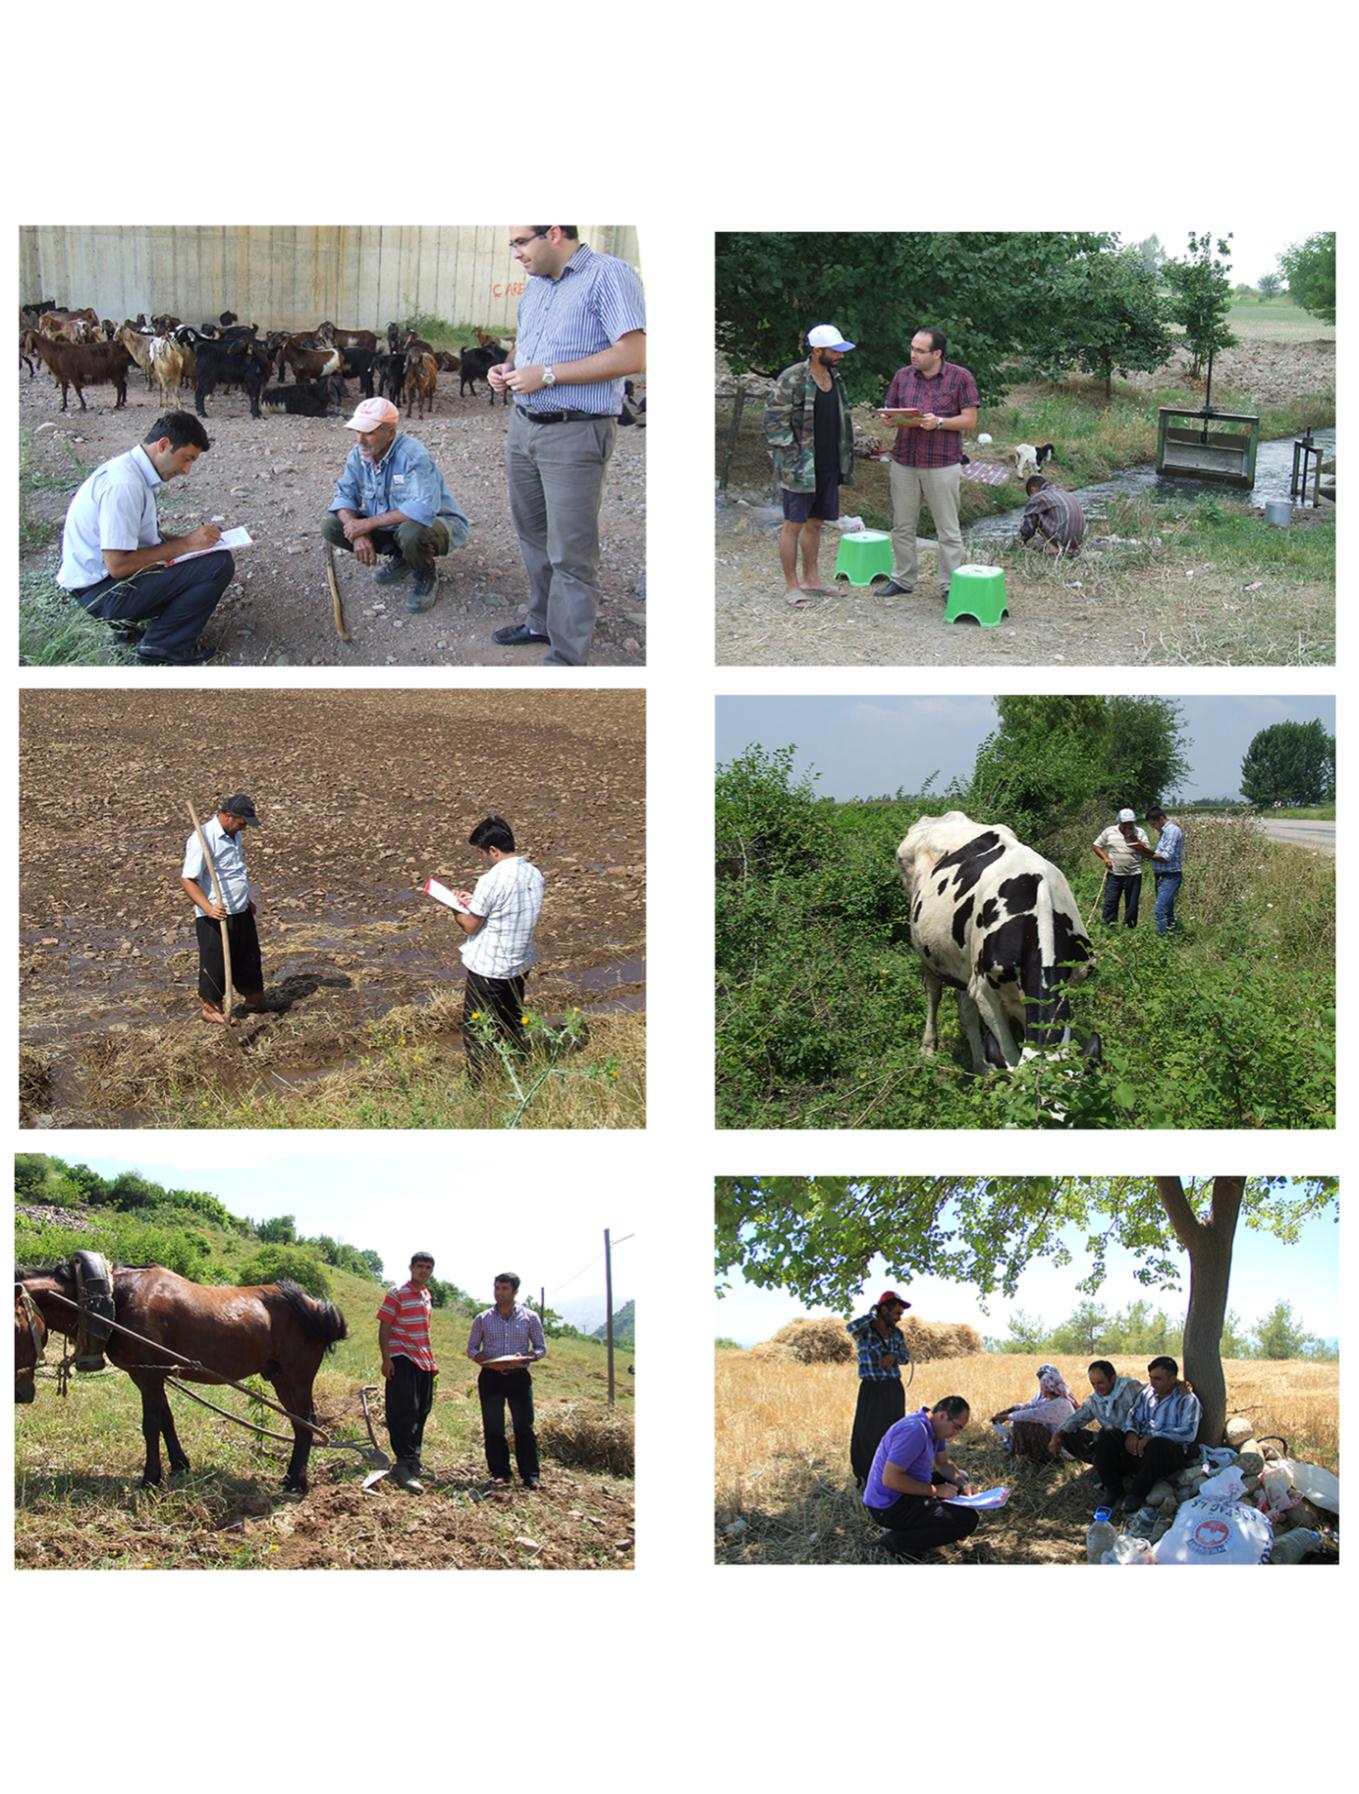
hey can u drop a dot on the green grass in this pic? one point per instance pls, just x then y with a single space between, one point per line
55 631
1307 813
1277 320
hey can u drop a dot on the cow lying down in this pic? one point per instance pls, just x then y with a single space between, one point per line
997 923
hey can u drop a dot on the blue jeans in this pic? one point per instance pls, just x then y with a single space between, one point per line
1167 890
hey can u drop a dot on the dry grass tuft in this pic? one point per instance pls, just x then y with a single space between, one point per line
807 1341
589 1439
929 1340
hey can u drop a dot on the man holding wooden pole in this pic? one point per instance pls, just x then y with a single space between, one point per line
217 884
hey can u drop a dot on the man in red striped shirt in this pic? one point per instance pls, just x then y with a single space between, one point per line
927 457
409 1369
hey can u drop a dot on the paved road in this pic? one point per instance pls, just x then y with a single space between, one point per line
1319 836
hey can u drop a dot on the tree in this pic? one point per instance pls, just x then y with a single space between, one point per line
1108 317
373 1260
1202 296
1309 269
1083 1330
281 1231
816 1237
1290 763
1235 1341
989 291
1144 749
1269 286
1151 253
1281 1335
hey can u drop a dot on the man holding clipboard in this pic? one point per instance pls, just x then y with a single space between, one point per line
505 1340
931 403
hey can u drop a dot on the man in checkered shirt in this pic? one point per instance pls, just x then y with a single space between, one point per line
501 915
927 459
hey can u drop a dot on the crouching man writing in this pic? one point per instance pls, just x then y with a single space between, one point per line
392 503
911 1468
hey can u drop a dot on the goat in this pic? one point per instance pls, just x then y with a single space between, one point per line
447 362
165 324
61 327
389 374
308 364
85 364
422 379
335 338
358 364
393 338
27 350
486 341
306 398
242 364
634 409
167 364
417 344
1026 460
476 363
138 345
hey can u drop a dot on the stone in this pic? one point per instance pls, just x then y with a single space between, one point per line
1238 1431
636 618
494 601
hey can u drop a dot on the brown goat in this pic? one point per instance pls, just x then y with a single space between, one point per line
309 364
422 379
345 339
86 364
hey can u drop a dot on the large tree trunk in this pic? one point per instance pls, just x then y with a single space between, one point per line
1209 1245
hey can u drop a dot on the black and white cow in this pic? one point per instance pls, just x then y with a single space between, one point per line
997 923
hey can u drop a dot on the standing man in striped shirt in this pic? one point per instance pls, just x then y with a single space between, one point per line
408 1369
582 331
499 920
927 457
1054 516
504 1341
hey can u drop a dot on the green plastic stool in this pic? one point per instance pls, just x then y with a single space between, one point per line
977 592
863 555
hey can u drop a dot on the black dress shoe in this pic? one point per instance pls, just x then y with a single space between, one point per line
518 635
149 658
892 590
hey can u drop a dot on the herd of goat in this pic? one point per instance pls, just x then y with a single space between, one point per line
81 349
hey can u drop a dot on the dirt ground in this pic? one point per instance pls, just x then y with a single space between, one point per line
362 795
1094 613
276 475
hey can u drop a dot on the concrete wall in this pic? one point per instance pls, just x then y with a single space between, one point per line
288 277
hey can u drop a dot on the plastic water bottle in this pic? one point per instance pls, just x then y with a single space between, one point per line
1100 1538
1292 1547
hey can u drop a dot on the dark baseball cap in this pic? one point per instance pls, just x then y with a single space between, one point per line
891 1295
241 806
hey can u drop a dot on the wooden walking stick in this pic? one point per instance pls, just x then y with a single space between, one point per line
340 629
219 898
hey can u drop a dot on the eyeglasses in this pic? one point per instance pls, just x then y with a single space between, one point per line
523 242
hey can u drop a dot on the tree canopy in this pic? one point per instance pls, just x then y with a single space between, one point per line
1290 763
1309 268
1202 295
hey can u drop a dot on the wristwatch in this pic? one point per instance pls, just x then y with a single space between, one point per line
549 377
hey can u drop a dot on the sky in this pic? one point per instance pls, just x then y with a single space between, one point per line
1263 1273
1257 239
868 747
467 1216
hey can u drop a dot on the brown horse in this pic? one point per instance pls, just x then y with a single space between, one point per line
274 1330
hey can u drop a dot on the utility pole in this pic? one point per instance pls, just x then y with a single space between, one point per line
608 1308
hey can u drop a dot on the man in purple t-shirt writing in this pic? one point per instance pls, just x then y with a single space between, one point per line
927 457
910 1465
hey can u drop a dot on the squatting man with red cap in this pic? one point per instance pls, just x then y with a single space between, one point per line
392 504
882 1350
222 836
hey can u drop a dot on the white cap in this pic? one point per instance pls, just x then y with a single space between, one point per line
826 336
1127 816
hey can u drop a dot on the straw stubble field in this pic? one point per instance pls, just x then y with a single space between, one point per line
782 1453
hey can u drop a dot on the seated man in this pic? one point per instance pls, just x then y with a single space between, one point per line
1161 1438
910 1463
114 557
1054 516
1111 1402
391 500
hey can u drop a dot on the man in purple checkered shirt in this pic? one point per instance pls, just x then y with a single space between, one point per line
927 458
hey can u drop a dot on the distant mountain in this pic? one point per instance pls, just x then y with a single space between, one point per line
624 1323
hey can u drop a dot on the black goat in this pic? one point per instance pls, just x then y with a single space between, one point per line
243 364
359 364
307 398
389 375
476 363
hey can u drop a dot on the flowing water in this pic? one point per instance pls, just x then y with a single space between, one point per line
1273 465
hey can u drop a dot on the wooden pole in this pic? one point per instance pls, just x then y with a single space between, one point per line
219 898
738 406
337 606
608 1301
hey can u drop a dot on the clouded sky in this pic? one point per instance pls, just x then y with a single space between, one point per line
868 747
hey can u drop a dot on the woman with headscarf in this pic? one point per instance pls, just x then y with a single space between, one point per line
1033 1423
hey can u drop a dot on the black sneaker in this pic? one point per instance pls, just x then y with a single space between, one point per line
392 571
424 592
518 635
149 658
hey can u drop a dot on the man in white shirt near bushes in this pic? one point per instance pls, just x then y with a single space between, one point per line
501 915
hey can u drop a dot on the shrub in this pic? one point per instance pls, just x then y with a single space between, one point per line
279 1264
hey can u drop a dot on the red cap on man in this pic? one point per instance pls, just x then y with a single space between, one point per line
891 1296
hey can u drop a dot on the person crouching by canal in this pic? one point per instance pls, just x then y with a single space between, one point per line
408 1369
223 837
504 1341
502 913
882 1350
1053 520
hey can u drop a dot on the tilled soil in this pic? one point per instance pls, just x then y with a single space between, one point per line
276 475
362 795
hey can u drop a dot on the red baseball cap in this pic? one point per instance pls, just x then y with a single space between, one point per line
891 1296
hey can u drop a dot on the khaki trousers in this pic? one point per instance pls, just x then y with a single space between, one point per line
939 487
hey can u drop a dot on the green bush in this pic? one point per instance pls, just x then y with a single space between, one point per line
279 1264
124 1241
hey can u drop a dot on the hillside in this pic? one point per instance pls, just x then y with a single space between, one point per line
624 1325
78 1461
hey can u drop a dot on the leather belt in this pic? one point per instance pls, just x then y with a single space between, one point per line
563 417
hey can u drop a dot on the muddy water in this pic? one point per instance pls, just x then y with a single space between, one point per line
1273 466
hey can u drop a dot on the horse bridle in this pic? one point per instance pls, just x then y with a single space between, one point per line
33 1315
